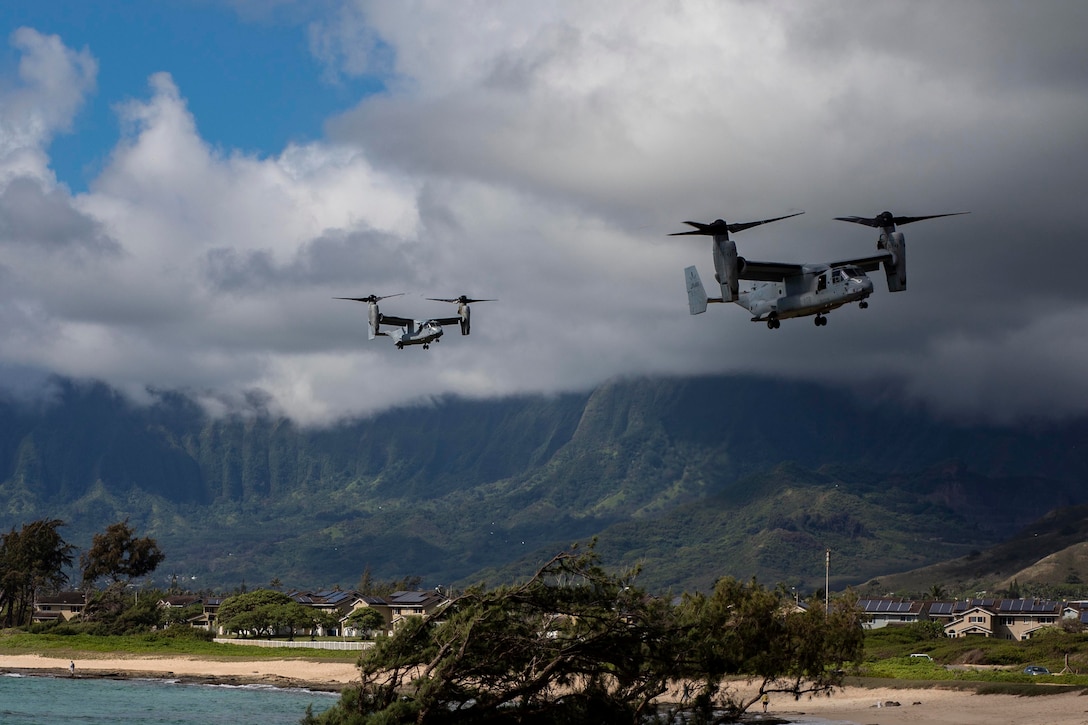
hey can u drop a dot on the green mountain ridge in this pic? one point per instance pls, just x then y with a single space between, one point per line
691 478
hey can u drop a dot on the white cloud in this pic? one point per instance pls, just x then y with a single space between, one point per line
539 155
53 84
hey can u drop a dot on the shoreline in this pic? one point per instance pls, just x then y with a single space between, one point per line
853 705
284 673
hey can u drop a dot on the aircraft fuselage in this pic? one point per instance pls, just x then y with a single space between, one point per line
820 289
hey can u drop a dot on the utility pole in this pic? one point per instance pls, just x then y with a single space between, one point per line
827 582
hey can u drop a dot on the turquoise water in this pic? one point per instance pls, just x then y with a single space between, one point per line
36 700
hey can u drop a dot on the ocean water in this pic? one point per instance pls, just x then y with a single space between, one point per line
34 700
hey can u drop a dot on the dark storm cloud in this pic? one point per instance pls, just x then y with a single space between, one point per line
33 217
540 154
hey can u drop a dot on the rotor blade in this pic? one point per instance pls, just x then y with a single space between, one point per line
749 225
719 227
887 219
370 298
459 300
909 219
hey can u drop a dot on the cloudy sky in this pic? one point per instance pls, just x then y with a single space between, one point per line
186 185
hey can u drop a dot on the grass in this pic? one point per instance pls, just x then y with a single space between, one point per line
13 642
990 664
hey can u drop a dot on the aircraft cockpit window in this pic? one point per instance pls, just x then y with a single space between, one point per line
836 276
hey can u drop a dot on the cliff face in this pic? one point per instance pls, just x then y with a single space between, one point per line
701 477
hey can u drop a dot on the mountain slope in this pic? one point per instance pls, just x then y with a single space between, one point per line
693 477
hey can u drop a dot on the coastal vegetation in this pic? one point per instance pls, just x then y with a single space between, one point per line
576 644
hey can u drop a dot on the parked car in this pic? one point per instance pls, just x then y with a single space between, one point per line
1036 670
921 656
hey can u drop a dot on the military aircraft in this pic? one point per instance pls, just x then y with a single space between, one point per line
409 331
782 290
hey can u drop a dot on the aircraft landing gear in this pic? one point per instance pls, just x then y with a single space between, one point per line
820 320
863 305
426 346
773 323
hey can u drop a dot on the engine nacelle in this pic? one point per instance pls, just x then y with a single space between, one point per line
896 269
725 267
466 318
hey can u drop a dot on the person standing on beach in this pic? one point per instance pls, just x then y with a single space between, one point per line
766 700
72 669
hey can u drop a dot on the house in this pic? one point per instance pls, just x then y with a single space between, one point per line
399 606
892 612
971 617
1016 619
403 605
335 602
59 606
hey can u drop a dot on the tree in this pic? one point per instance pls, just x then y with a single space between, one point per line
747 630
120 556
31 559
264 612
572 644
369 586
366 619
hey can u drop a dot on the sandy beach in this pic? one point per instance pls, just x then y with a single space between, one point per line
856 705
280 672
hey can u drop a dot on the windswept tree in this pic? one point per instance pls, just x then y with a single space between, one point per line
118 555
571 644
31 560
749 631
574 644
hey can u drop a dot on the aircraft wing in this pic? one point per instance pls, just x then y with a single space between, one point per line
867 264
396 321
768 271
447 320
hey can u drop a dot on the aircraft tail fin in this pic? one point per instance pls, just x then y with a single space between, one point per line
697 299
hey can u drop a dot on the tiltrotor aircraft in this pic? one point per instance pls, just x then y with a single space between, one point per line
783 289
414 332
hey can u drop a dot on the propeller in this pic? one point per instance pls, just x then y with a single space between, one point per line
720 228
372 299
887 220
462 300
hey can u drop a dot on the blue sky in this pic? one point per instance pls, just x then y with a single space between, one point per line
249 79
278 154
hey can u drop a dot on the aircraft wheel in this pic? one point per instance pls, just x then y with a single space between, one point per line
820 321
863 305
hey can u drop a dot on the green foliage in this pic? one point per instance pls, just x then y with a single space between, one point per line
115 610
265 613
119 555
745 629
68 641
670 472
574 644
366 619
32 559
